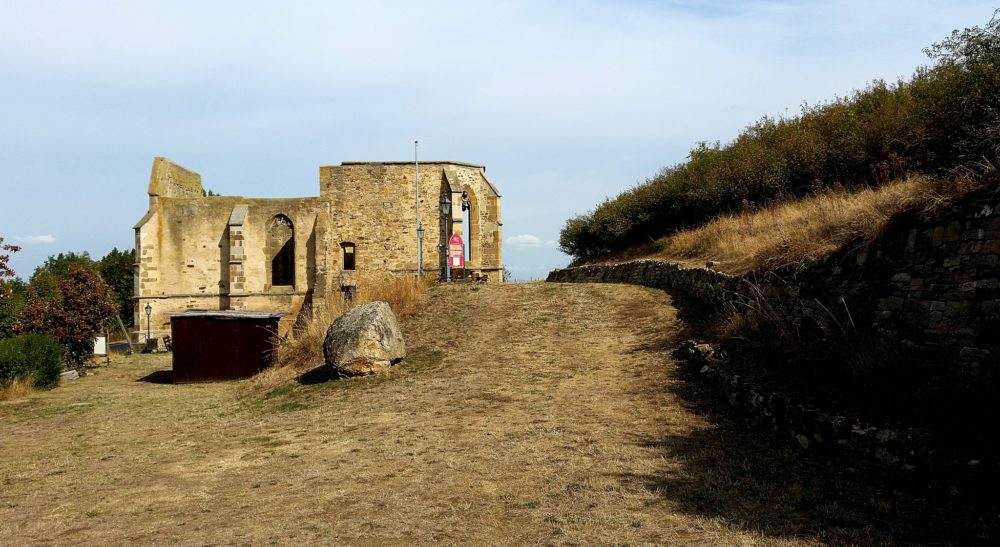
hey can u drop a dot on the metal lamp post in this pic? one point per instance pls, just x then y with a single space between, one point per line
445 211
149 313
420 251
416 210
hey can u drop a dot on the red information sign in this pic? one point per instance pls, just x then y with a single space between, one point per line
456 251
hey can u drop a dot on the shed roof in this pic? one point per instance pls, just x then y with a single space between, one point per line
229 314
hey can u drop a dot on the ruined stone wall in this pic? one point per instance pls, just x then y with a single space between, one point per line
929 285
184 253
484 235
169 179
373 206
709 286
196 252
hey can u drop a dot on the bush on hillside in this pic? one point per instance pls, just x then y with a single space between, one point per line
946 118
34 356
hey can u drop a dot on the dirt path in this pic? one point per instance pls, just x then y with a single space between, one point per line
528 413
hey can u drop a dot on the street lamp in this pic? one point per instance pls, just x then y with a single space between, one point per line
149 312
445 212
420 251
416 210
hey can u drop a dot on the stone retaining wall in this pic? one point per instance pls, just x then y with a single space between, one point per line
927 292
709 286
929 285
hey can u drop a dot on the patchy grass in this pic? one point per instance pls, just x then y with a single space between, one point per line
424 359
284 390
577 431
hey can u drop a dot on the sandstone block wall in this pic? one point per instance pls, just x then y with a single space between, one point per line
196 252
374 205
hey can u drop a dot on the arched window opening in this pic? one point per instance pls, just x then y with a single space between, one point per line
470 210
349 256
281 250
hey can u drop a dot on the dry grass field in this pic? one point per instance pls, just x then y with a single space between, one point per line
525 414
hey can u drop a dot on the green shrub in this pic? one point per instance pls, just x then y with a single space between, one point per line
36 355
946 118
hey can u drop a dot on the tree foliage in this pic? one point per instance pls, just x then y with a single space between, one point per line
11 306
11 291
59 265
6 272
945 118
116 268
84 302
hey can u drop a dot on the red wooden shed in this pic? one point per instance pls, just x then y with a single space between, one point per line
222 345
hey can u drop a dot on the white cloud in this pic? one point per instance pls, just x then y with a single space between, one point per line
524 241
36 240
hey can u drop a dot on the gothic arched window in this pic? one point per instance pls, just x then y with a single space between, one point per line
280 251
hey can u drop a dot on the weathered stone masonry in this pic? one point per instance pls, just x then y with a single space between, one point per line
232 252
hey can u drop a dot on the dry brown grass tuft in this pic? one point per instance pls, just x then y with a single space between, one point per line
403 294
16 388
800 232
304 350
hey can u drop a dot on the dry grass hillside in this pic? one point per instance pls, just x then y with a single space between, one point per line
524 414
797 233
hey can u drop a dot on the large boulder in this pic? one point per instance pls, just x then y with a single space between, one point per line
365 340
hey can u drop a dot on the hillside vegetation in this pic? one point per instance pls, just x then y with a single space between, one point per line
797 233
944 121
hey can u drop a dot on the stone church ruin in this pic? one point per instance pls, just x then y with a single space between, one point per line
237 253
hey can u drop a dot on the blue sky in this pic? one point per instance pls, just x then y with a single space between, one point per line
566 103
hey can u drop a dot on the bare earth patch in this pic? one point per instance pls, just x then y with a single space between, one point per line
565 421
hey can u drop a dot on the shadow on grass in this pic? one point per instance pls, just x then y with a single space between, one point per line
158 377
748 478
317 375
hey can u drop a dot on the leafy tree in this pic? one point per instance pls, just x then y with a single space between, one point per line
11 291
11 306
59 265
5 270
45 285
116 268
85 302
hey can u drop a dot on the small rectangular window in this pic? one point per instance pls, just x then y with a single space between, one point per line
349 256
